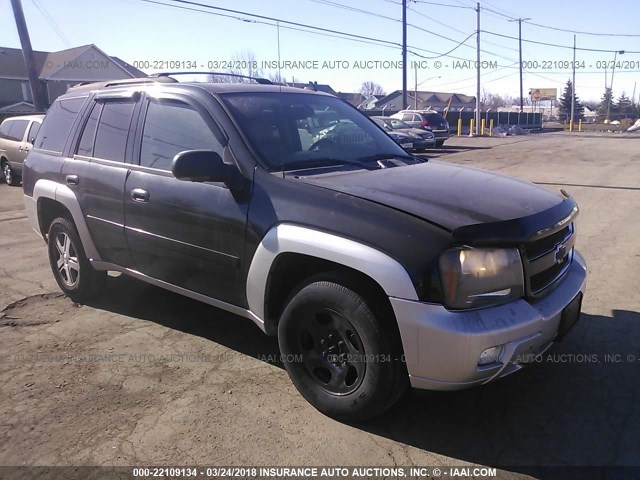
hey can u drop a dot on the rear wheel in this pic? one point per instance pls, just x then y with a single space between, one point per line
7 173
439 143
71 268
338 352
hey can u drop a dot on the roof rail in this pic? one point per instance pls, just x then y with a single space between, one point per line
261 81
82 86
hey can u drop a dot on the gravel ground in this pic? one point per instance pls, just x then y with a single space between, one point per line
143 376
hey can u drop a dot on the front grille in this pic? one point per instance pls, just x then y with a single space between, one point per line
545 244
547 260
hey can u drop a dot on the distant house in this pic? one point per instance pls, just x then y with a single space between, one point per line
314 86
57 71
354 99
423 100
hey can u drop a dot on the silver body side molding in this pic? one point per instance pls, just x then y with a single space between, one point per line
64 195
105 266
285 238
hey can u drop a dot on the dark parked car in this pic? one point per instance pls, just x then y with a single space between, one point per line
426 119
421 138
375 269
16 139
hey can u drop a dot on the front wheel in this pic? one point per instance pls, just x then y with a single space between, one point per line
338 352
71 268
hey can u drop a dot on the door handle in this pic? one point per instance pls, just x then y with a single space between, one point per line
139 195
20 148
72 179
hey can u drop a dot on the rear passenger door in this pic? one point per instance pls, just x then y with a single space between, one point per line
15 148
97 172
188 234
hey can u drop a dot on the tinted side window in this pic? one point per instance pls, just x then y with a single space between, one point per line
435 118
407 117
33 131
4 128
57 124
170 128
113 130
85 146
17 129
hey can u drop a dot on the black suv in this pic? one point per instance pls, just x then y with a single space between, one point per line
426 119
374 268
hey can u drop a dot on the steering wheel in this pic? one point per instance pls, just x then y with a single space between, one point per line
325 141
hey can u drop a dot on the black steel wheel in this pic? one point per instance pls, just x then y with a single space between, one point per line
338 352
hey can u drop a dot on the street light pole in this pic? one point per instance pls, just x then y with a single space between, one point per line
613 71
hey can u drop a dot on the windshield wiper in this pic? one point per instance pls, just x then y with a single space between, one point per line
322 162
390 156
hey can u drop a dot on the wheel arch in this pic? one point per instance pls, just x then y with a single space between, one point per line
52 200
288 254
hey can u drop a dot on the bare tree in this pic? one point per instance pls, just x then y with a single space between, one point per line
371 88
493 100
242 63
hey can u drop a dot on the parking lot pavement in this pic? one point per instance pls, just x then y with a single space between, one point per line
143 376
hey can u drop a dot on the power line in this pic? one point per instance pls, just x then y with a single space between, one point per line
443 4
273 19
52 23
585 33
417 12
556 45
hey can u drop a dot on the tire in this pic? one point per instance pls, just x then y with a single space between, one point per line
439 143
339 354
69 264
8 174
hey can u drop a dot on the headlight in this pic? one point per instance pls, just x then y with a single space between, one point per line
478 277
414 135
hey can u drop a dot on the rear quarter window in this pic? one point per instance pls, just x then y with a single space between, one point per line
57 124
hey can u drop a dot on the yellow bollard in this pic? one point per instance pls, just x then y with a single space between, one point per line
580 125
482 125
459 127
471 129
491 127
570 125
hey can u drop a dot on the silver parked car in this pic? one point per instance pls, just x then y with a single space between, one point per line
16 140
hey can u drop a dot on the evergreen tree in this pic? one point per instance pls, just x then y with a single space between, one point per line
565 104
607 97
624 106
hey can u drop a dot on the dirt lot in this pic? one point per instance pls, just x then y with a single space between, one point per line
146 377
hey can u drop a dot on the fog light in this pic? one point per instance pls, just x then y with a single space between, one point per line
490 355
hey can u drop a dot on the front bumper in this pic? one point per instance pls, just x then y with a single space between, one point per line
420 143
442 347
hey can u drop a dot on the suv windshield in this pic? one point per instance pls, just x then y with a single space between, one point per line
293 130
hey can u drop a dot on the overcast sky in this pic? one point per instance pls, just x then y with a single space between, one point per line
145 31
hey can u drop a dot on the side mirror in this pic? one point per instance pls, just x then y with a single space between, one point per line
201 166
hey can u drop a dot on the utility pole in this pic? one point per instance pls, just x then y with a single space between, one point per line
478 72
415 90
520 20
27 52
404 54
573 87
613 71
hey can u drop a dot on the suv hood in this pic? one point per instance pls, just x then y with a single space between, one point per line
445 194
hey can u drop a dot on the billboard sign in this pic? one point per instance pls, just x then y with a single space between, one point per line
538 94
